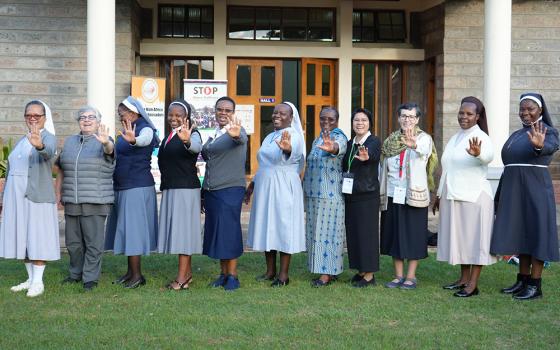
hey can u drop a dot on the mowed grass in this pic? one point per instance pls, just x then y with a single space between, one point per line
257 316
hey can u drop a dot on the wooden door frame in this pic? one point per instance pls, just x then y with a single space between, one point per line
318 99
253 98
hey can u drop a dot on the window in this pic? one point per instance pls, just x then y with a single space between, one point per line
177 21
378 26
380 88
286 23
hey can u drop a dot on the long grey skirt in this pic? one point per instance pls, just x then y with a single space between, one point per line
179 222
465 230
28 229
132 225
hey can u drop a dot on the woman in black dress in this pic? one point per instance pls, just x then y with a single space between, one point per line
361 199
526 211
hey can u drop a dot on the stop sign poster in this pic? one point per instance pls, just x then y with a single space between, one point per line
202 95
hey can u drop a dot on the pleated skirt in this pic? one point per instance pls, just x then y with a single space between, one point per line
179 222
404 231
465 230
28 229
132 226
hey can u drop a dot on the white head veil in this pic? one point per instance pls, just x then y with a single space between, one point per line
296 124
49 125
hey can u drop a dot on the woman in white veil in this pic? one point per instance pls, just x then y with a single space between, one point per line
29 229
277 221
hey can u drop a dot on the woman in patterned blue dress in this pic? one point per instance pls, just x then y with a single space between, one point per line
324 203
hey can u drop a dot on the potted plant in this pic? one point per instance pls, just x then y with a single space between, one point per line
5 150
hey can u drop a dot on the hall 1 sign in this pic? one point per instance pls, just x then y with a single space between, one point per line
267 100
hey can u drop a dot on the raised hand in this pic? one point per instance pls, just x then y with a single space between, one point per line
474 147
328 143
129 132
185 132
409 138
362 154
537 135
102 134
234 128
34 136
285 142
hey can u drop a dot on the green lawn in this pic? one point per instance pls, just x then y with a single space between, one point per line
257 316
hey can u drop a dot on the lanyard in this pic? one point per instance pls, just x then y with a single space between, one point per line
351 158
401 159
171 134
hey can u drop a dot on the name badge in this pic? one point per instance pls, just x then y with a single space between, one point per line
399 196
347 183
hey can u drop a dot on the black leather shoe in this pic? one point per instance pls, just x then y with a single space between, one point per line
70 280
135 284
122 279
365 283
89 286
517 286
464 294
454 285
265 277
356 278
318 283
528 293
279 283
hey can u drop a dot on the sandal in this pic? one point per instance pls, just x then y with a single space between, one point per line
395 283
181 286
410 285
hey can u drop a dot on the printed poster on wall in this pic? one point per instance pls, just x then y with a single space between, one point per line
202 96
151 94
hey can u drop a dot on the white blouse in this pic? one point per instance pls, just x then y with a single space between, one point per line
463 174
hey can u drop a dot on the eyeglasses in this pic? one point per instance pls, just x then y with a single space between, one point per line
90 117
224 110
34 116
409 117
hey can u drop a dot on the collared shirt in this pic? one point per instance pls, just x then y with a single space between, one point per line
363 139
218 133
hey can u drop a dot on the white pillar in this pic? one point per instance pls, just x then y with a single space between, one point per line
220 35
345 66
497 70
101 59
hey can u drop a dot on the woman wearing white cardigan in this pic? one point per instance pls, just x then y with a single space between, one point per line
465 199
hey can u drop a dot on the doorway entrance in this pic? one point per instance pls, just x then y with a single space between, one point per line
308 83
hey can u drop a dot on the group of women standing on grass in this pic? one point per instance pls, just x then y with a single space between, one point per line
345 183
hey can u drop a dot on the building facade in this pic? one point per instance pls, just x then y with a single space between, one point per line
372 54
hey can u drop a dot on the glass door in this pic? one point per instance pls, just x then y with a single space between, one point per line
256 83
317 91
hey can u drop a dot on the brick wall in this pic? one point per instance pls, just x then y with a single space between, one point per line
43 55
535 58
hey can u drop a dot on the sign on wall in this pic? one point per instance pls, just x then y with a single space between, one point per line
150 92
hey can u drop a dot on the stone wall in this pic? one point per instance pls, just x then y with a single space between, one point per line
535 58
43 55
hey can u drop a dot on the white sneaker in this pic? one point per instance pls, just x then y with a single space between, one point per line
35 290
21 287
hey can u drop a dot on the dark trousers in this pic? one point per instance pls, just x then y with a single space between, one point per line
84 241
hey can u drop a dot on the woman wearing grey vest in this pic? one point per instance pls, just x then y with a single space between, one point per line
85 187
